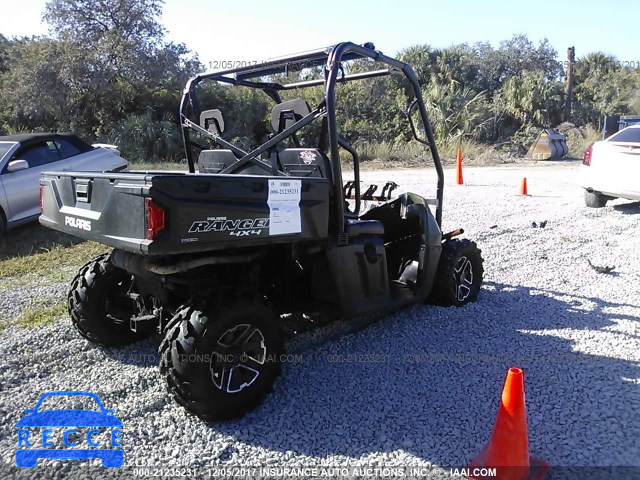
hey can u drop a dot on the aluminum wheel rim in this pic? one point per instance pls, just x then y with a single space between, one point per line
463 278
236 360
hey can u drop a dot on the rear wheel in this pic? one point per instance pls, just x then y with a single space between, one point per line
99 306
595 199
459 274
220 365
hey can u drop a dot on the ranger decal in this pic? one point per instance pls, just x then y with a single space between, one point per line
238 227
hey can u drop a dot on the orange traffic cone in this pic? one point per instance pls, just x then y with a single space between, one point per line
459 167
523 186
508 449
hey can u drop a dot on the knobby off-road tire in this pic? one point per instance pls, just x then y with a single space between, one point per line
98 305
459 274
220 365
595 200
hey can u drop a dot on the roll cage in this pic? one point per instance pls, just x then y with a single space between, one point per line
331 58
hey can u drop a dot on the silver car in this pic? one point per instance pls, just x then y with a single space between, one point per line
23 158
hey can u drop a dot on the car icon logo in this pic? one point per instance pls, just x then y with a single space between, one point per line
66 421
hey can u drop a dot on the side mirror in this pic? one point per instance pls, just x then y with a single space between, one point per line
29 411
17 165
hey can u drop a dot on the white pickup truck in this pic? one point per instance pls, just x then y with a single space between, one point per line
611 168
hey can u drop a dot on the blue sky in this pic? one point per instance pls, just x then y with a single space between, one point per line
258 29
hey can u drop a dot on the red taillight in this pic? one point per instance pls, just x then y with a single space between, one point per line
155 218
586 160
41 199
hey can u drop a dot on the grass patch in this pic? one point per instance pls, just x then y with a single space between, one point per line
31 239
35 252
414 154
474 153
37 313
578 139
51 263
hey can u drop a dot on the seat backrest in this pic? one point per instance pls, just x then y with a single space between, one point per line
287 113
214 161
212 121
305 162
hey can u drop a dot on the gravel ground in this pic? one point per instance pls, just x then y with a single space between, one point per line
430 396
14 300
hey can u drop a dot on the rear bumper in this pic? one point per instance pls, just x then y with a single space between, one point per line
595 180
609 192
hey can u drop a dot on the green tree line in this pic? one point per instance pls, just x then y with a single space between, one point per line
106 72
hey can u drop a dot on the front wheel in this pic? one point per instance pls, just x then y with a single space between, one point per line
221 363
459 274
99 305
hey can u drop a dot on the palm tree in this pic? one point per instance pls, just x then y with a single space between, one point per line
143 138
530 98
455 111
595 63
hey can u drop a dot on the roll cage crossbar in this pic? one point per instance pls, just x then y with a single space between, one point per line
331 59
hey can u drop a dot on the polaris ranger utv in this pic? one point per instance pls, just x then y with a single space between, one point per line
216 257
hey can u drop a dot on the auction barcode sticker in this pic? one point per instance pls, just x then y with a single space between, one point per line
284 206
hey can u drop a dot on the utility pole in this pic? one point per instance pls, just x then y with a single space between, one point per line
571 60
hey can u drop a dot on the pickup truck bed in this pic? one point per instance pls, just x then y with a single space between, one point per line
164 213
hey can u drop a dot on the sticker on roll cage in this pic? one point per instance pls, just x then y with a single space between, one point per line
245 227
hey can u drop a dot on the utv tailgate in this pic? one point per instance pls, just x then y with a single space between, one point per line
169 213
